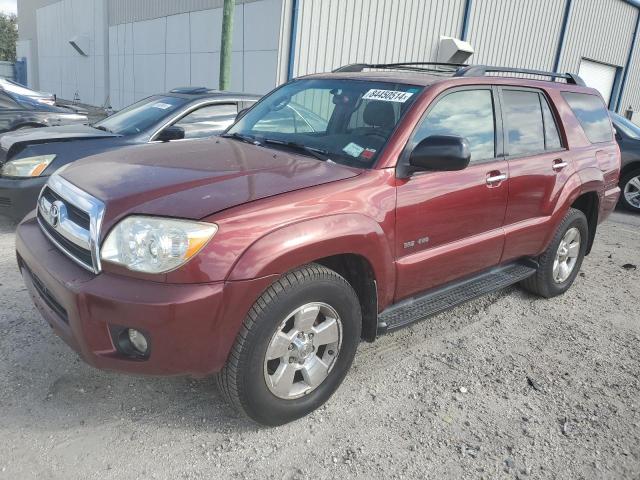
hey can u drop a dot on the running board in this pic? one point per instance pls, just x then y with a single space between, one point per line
436 301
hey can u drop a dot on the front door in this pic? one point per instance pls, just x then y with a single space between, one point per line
449 224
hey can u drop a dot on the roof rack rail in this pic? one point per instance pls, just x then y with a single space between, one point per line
412 66
482 70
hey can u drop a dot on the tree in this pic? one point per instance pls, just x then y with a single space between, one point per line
8 37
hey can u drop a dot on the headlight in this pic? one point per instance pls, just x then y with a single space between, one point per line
155 245
27 167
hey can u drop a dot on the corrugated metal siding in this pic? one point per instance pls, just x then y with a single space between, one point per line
598 30
127 11
332 33
631 94
516 33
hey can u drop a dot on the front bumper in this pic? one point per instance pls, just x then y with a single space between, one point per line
190 328
19 197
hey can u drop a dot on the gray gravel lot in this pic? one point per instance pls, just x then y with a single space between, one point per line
507 386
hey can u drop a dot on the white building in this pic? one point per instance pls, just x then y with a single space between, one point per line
129 49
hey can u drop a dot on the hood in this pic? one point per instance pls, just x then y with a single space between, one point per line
49 135
195 179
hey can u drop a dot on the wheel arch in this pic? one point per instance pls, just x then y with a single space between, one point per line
589 204
353 245
630 167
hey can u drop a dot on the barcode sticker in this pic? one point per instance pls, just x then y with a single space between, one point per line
387 95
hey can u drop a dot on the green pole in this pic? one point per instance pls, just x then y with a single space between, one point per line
225 44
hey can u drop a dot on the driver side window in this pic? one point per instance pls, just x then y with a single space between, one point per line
468 114
208 121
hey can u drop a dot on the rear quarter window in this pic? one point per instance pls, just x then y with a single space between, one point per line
592 115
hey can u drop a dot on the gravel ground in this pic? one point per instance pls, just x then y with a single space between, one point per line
508 386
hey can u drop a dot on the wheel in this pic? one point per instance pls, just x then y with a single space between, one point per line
296 346
560 264
630 186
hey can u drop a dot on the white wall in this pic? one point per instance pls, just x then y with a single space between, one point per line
62 70
157 55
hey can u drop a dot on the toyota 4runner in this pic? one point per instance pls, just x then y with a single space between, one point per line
340 207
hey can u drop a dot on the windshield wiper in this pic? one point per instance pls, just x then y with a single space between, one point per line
242 138
316 152
100 127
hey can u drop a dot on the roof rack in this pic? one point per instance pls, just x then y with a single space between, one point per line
459 70
192 90
482 70
411 66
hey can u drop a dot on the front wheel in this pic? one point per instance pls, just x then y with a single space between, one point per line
295 347
560 263
630 186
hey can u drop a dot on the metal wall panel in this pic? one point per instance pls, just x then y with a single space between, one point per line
631 93
598 30
516 33
127 11
332 33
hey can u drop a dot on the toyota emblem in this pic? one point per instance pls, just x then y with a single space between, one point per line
56 213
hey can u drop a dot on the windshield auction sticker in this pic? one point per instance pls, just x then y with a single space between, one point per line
387 95
161 106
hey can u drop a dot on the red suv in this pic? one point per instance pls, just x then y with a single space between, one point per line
340 207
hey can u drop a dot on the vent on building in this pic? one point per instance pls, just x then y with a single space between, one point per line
454 50
81 44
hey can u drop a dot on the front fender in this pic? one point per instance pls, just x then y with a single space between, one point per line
304 242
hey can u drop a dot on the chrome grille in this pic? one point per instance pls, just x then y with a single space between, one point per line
71 219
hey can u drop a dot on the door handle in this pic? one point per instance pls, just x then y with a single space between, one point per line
559 164
493 179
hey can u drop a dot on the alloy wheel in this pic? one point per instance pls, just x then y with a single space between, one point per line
567 255
632 192
303 351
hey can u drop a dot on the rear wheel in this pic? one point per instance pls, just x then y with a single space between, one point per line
560 264
630 186
295 348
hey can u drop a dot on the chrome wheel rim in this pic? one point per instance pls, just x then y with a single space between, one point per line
567 255
632 192
303 351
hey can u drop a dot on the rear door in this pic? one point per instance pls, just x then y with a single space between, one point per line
449 224
539 166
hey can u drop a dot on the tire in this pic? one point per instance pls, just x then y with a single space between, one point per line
248 380
548 282
630 186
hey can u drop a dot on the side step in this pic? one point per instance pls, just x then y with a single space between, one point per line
417 308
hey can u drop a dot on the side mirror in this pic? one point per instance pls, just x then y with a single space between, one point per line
442 153
170 133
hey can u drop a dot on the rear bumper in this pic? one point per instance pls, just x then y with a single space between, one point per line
608 203
190 327
19 197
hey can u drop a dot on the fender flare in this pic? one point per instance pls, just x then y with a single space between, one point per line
304 242
585 181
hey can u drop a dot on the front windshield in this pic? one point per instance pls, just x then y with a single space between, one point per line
625 126
346 121
141 116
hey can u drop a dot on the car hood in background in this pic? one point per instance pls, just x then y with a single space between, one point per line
51 134
14 142
195 179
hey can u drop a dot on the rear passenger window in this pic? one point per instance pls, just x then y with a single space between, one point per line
551 135
523 116
468 114
592 115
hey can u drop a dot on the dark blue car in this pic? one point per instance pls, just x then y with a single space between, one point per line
28 157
